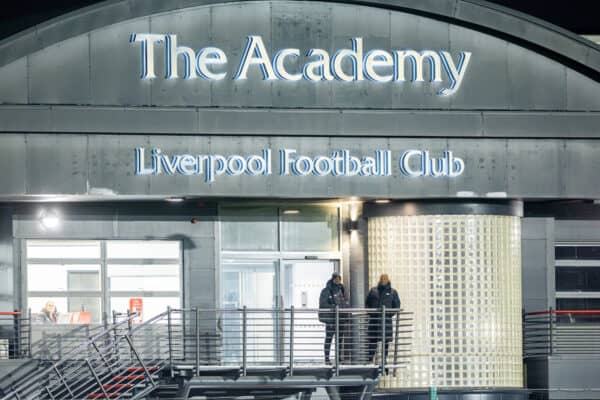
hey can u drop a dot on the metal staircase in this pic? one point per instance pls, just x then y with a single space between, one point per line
121 362
185 353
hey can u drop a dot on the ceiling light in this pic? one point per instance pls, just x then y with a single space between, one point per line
289 212
382 201
175 199
49 219
466 193
498 195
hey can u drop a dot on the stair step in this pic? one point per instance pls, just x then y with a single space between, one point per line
117 386
101 395
140 369
120 378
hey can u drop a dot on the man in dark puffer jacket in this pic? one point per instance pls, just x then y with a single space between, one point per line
381 295
332 295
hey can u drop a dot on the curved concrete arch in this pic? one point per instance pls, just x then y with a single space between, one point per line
540 36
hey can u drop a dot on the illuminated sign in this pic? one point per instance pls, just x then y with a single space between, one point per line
342 163
315 65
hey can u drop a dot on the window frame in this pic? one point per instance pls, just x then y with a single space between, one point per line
279 256
104 293
574 263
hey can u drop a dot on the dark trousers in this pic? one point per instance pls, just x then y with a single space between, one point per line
329 334
375 336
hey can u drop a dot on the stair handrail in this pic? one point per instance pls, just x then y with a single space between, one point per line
150 321
55 364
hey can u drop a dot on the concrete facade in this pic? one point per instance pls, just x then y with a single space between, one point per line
526 122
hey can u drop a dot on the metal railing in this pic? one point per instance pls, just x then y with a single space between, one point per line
49 341
104 366
288 338
561 332
15 335
128 360
58 340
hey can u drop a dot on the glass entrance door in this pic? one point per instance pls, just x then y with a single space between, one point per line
303 282
264 285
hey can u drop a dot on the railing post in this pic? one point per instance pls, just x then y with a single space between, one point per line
29 333
396 332
169 335
244 340
17 336
291 341
337 340
197 326
383 341
62 380
97 379
550 331
129 323
139 359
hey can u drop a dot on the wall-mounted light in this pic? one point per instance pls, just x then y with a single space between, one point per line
49 219
352 225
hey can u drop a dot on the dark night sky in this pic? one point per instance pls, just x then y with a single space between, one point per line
580 16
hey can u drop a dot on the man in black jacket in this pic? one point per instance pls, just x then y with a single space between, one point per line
381 295
332 295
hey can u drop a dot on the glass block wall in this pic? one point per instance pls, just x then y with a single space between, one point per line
461 276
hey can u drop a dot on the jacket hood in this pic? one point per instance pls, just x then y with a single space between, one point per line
331 285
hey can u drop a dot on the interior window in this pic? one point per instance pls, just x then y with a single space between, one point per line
71 282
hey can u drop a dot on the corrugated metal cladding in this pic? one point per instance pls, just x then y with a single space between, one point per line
74 107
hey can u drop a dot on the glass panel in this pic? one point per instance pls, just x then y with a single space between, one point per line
588 252
142 249
249 228
304 281
48 309
565 252
310 229
63 249
80 305
577 304
585 279
577 252
250 284
153 277
151 306
65 310
48 277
